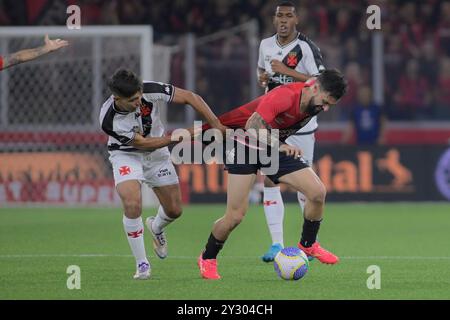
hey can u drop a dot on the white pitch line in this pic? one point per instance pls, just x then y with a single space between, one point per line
20 256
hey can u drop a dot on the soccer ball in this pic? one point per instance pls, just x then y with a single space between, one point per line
291 264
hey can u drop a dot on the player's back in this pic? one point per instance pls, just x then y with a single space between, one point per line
237 117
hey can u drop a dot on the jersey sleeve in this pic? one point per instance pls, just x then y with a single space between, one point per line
277 101
261 57
314 59
1 62
154 91
308 60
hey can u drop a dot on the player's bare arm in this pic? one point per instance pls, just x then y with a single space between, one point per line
153 143
182 96
150 143
280 67
262 128
31 54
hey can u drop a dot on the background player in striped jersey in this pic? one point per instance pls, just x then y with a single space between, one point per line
31 54
288 56
138 153
287 108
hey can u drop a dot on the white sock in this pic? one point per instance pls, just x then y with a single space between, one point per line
274 210
134 229
161 221
301 201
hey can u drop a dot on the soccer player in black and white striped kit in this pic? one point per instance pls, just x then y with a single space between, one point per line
288 56
137 145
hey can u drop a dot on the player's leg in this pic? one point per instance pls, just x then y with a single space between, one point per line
306 144
239 187
127 171
162 177
170 209
307 182
274 213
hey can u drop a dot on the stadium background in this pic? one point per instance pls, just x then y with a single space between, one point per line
53 155
211 48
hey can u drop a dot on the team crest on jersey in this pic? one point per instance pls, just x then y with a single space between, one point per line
145 111
293 57
292 60
146 116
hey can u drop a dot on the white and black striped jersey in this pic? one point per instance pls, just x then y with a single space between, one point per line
121 127
301 54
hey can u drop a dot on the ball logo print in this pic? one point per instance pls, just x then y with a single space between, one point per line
291 264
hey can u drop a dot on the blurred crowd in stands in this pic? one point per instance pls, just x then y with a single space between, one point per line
416 40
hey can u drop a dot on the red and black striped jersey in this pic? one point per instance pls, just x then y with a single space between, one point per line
280 108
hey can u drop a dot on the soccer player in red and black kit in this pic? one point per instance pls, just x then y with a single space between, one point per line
286 108
31 54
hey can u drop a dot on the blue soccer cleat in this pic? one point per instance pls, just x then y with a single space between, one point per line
273 250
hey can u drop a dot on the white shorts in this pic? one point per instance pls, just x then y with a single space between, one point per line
135 166
306 144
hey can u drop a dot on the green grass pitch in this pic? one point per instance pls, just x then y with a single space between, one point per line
409 242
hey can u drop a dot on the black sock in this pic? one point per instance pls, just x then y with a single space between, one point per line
310 231
212 248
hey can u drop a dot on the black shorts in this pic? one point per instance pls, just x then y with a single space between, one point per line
286 164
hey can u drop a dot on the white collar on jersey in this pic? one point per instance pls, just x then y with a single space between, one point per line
278 43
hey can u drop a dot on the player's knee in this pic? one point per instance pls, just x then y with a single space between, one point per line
319 194
174 211
133 207
235 221
235 217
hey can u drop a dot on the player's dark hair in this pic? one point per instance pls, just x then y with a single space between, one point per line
286 4
124 83
333 82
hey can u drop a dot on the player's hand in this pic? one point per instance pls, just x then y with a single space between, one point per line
279 67
291 151
221 128
263 79
53 45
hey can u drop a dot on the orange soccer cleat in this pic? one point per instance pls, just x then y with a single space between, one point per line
319 253
208 268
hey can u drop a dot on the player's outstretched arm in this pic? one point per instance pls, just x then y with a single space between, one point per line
182 96
31 54
258 125
150 143
153 143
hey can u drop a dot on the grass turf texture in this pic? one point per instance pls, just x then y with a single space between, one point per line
409 242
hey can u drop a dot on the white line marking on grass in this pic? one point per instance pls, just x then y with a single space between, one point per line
24 256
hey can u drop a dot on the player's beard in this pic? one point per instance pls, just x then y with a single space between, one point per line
313 109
